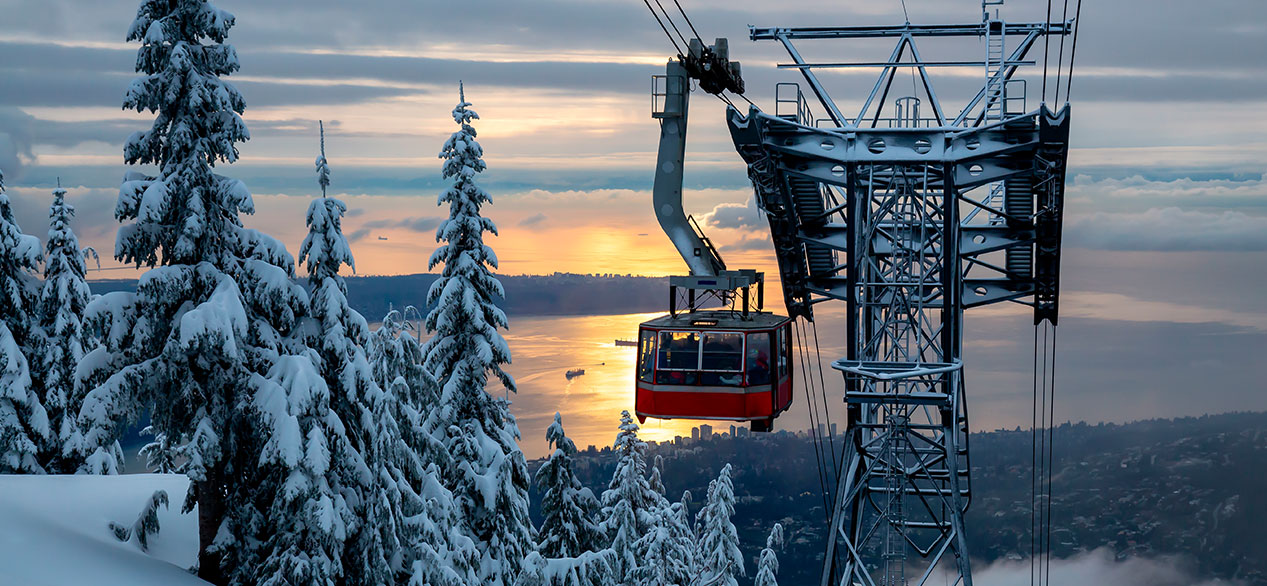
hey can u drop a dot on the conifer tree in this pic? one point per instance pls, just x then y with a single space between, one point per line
719 559
60 311
768 565
629 503
24 423
660 562
487 472
218 307
570 511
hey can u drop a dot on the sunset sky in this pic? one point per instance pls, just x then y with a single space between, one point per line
1166 231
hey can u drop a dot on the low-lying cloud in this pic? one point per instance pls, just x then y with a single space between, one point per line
1169 229
1101 567
745 216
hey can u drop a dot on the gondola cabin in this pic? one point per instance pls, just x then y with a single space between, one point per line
715 365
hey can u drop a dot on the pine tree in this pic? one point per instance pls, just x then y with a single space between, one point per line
487 473
768 566
569 527
432 547
719 559
659 553
24 423
629 503
305 515
191 345
60 311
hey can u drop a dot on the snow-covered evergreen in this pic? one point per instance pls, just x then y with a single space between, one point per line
61 343
768 565
592 568
718 557
193 343
629 503
487 472
570 510
24 422
305 514
662 553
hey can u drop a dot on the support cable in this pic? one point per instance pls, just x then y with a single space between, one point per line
1033 470
674 25
1046 47
663 28
1077 22
1051 437
822 387
1060 62
688 21
818 454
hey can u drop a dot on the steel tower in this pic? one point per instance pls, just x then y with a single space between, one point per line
910 216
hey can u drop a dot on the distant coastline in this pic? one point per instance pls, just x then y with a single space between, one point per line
559 294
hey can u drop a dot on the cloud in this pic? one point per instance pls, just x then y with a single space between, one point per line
422 224
1169 229
745 216
533 220
1100 567
747 244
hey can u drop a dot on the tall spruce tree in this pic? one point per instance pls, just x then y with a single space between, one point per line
570 512
24 423
629 503
218 308
718 557
60 311
487 472
768 564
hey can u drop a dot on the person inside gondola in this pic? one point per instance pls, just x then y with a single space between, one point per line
758 359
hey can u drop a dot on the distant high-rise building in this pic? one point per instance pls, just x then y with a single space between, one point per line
833 430
822 430
732 431
706 432
695 433
743 432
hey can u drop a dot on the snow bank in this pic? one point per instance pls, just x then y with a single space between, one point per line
54 531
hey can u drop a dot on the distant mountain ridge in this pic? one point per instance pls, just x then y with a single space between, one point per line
526 295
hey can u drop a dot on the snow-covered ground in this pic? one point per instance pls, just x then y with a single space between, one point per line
54 531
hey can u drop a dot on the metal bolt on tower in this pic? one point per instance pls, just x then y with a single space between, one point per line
910 217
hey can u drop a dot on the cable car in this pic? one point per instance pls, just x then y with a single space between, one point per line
706 363
715 364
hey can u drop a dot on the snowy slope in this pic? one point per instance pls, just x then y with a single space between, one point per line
54 531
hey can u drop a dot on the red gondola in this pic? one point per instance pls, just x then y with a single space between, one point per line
715 365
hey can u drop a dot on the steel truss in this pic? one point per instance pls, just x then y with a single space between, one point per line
910 221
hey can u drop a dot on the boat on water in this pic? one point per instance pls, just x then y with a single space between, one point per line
575 372
626 343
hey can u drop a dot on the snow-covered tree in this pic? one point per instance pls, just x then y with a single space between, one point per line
662 557
192 343
592 568
60 346
768 565
24 422
305 514
487 472
570 525
338 335
718 557
629 503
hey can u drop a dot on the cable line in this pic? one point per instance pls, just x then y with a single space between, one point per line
688 21
1046 47
1060 63
1077 22
674 25
662 27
